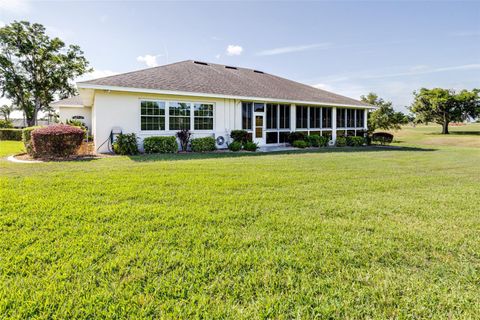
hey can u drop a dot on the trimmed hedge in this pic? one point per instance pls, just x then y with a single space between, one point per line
341 141
6 124
294 136
11 134
250 146
235 146
160 145
355 141
203 144
27 139
302 144
56 141
382 137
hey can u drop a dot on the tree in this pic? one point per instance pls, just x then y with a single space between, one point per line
6 110
443 106
35 68
384 117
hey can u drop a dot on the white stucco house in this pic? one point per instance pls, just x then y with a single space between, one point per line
210 100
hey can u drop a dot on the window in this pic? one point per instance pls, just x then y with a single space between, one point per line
179 115
302 117
315 117
341 113
351 118
360 118
326 117
247 115
152 115
259 107
272 116
284 116
272 137
203 116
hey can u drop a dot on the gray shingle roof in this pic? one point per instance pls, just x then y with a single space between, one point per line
72 101
191 76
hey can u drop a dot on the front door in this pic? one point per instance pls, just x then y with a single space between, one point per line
258 132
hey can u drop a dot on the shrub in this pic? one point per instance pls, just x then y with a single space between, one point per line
76 123
302 144
126 144
27 139
293 136
235 146
6 124
11 134
382 137
341 141
203 144
313 140
355 141
160 145
250 146
184 137
56 141
239 136
323 141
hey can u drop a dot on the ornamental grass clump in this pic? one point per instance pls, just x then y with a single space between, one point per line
56 141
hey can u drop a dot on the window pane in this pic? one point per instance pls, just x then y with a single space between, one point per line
272 117
350 118
203 123
179 109
259 107
272 137
179 123
284 116
283 138
203 110
247 115
203 116
152 123
152 108
152 115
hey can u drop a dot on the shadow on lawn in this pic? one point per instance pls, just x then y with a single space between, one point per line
226 154
453 133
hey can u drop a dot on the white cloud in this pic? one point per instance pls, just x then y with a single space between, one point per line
234 50
95 74
2 24
217 56
283 50
14 6
149 60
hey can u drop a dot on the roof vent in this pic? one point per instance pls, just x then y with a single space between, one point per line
258 71
230 67
200 62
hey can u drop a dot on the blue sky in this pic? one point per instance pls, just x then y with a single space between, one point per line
352 48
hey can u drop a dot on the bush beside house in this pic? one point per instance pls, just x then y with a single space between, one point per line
203 144
126 144
160 145
56 141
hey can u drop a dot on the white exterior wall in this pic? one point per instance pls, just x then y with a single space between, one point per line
122 110
67 113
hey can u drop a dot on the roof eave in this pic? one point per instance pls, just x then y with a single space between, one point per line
85 85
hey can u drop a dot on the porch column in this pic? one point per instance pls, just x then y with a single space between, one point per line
293 117
334 124
365 118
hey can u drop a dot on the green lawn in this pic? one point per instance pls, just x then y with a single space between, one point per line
362 233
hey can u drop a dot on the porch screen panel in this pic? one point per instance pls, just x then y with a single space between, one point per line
351 118
179 115
302 117
272 116
360 118
326 118
284 116
341 112
315 117
247 115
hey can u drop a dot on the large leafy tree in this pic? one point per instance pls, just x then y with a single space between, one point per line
34 68
443 106
384 117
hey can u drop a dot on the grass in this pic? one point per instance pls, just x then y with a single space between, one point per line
359 234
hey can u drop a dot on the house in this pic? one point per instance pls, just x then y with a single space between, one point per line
210 100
